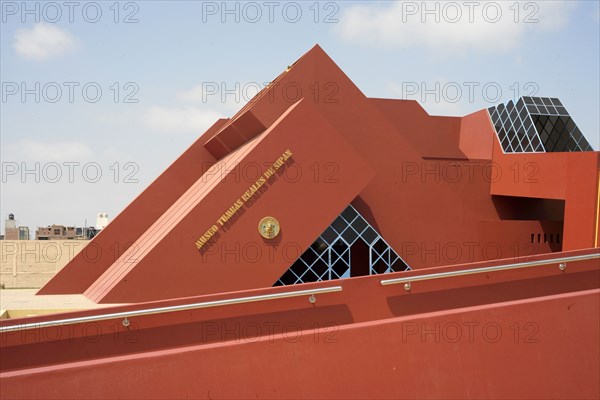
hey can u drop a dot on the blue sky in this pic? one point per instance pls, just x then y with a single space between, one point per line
166 71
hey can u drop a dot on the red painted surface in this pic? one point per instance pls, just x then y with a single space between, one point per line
424 166
234 134
134 220
572 177
438 189
525 333
238 257
476 136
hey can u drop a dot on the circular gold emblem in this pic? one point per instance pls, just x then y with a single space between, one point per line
268 227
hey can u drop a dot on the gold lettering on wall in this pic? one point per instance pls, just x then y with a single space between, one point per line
245 197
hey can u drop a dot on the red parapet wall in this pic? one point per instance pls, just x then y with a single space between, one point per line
461 337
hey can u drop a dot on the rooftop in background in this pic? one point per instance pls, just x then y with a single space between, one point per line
61 232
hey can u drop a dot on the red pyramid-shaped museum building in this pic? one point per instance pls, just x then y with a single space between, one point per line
437 190
323 244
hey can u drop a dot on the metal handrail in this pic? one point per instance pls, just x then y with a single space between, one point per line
488 269
160 310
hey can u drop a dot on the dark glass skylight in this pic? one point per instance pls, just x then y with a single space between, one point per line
536 124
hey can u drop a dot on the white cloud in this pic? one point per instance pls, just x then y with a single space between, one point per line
552 15
38 150
452 26
43 41
226 96
518 59
199 107
180 120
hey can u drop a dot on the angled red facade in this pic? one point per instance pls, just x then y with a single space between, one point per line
471 252
439 190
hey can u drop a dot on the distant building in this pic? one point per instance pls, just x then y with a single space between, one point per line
50 232
61 232
55 232
14 232
101 221
11 232
24 233
86 233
